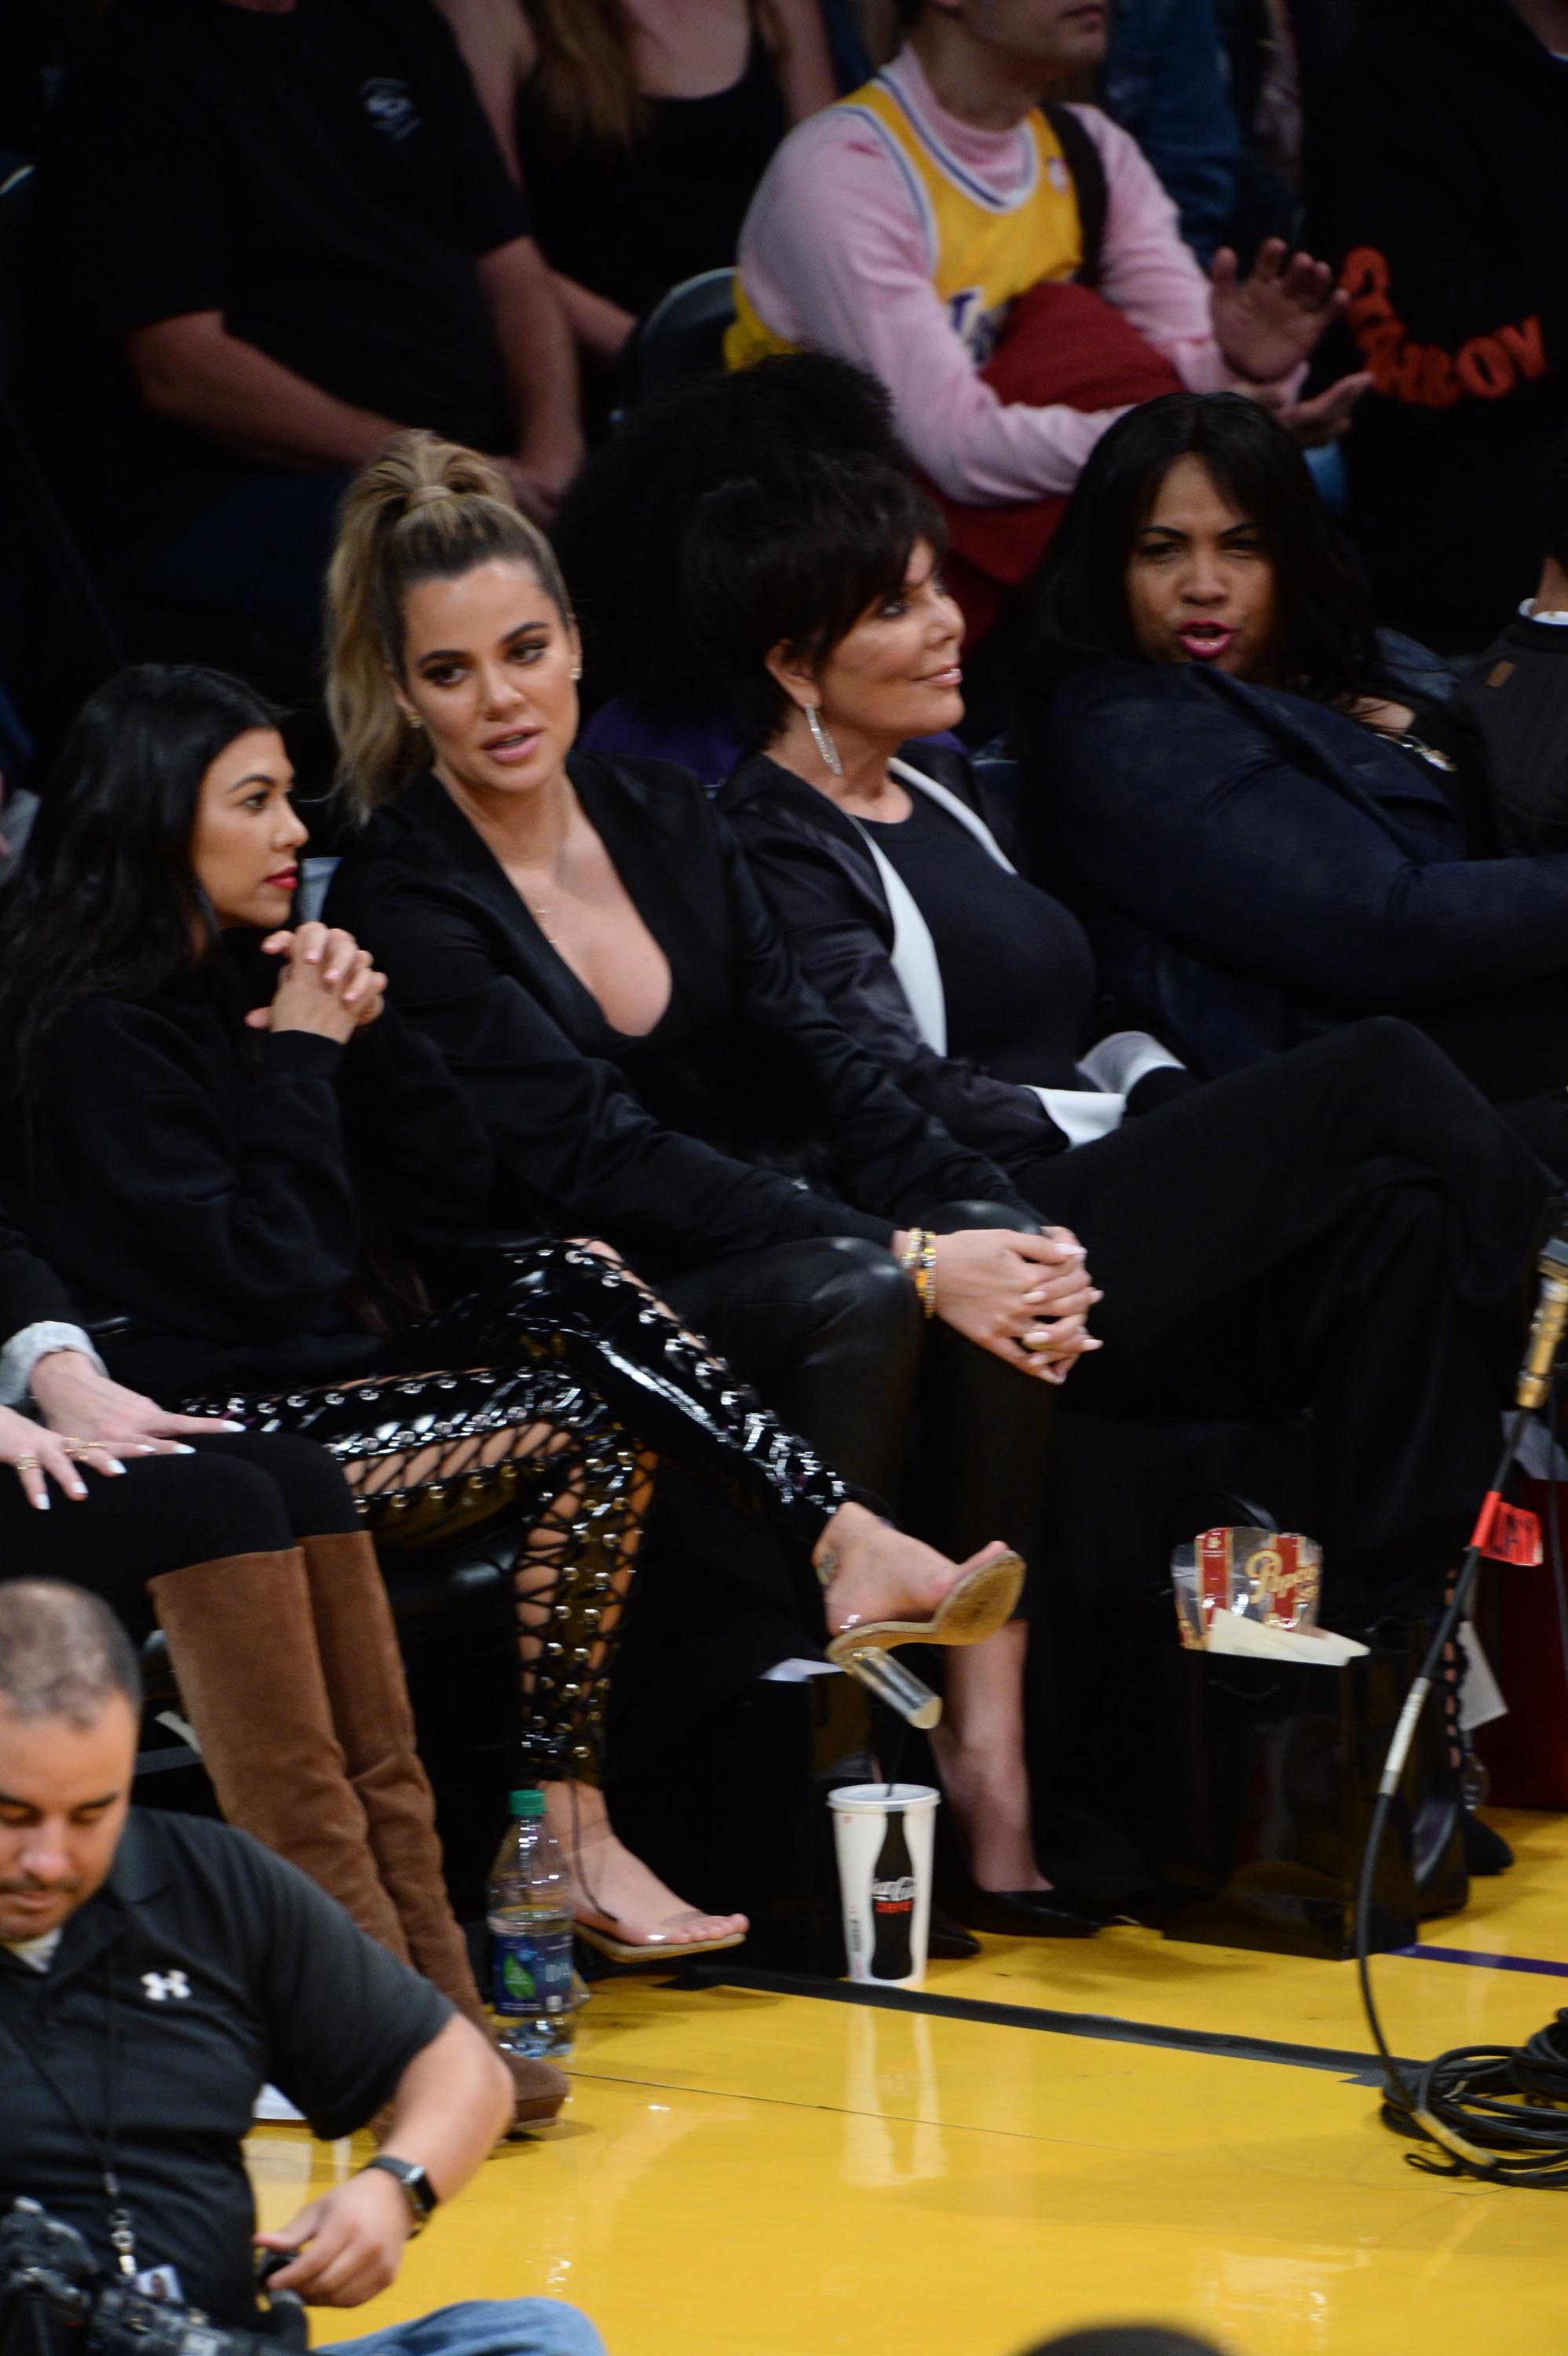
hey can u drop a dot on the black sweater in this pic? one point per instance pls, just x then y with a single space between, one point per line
1436 187
747 1117
210 1195
31 1293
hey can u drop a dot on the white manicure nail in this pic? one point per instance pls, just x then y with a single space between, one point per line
42 1502
181 1449
114 1466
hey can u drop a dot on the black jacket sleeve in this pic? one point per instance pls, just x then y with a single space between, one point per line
833 928
1197 821
421 1163
30 1293
164 1205
344 2019
579 1152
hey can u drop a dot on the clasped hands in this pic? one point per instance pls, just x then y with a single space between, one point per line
327 984
1025 1298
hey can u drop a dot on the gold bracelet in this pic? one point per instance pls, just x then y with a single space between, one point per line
926 1282
920 1265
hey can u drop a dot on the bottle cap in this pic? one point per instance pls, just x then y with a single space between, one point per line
527 1803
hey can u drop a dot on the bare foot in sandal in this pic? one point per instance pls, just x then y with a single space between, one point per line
617 1901
876 1572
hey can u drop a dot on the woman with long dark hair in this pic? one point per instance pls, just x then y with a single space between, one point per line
260 1188
584 942
1271 817
1242 1232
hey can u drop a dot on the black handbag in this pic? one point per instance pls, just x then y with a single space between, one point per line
1273 1771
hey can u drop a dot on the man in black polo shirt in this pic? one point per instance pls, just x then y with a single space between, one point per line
156 1971
281 229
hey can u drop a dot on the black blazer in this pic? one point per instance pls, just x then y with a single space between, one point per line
31 1293
816 867
748 1118
1256 868
218 1199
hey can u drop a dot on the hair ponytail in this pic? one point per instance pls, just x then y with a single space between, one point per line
424 510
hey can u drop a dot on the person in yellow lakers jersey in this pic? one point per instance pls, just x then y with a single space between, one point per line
897 229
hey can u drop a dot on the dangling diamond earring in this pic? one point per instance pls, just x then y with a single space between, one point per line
824 742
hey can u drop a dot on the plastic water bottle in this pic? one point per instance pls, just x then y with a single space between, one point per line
535 1989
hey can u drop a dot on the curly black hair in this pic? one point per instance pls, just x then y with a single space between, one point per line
622 530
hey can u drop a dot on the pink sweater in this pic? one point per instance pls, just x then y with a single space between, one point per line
833 254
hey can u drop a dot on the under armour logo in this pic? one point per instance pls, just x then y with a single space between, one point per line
391 107
161 1985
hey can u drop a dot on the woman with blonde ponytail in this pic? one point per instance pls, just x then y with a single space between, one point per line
423 503
581 939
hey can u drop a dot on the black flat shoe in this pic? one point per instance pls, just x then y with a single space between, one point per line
1486 1851
1022 1914
949 1941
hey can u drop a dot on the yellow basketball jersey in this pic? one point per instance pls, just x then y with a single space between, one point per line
983 249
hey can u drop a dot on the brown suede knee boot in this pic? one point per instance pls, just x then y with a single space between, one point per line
241 1640
356 1640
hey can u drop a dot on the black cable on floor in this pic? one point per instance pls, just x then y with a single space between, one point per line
1488 2109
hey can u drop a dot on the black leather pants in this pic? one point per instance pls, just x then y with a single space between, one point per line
1346 1227
945 1436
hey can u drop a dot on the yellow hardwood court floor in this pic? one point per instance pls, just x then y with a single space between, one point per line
745 2172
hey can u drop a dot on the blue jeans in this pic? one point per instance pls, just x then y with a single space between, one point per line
482 2327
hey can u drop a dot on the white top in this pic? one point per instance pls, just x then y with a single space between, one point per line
36 1341
37 1953
23 1350
1110 1069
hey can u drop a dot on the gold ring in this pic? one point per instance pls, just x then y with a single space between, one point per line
78 1446
26 1463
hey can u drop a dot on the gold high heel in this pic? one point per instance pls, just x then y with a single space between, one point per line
979 1603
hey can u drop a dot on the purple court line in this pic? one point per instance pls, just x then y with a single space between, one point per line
1493 1962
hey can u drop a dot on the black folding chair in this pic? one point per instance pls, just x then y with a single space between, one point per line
683 334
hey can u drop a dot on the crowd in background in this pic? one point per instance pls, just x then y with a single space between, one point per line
925 644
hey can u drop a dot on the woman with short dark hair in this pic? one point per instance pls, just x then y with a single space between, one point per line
1272 818
1240 1231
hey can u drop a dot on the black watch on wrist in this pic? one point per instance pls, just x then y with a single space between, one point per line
418 2191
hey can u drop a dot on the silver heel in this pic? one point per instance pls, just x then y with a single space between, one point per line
888 1679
